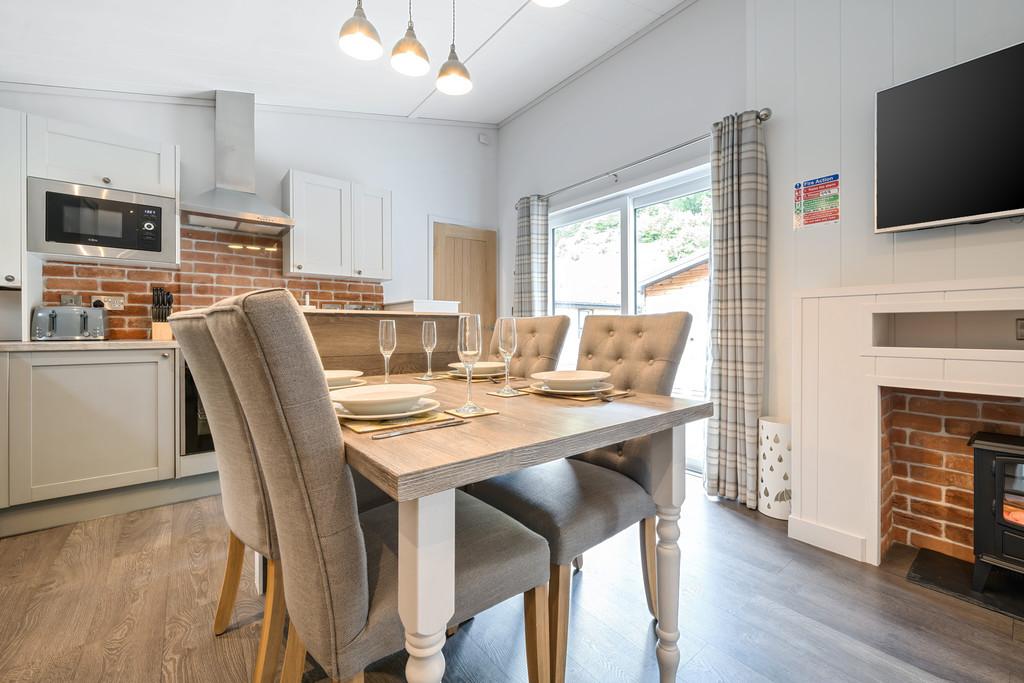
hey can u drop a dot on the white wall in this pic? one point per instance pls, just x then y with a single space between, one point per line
818 64
667 87
432 169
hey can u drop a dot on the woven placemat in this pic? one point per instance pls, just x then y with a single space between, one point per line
456 413
367 426
590 397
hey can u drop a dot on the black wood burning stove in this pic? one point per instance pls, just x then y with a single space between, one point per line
998 504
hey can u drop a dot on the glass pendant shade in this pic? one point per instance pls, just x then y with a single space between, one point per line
550 3
453 79
409 56
358 38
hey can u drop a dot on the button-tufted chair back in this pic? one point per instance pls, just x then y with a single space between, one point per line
539 344
641 352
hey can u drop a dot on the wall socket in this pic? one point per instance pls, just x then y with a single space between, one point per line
1020 329
111 303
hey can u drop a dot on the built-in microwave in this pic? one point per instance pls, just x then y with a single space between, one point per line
73 220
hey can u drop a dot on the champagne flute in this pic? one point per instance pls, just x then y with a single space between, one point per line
387 338
507 342
429 344
469 354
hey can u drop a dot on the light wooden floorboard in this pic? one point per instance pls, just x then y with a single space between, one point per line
132 598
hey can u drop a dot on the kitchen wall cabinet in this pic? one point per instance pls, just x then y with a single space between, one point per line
84 421
79 154
12 195
371 241
341 229
321 241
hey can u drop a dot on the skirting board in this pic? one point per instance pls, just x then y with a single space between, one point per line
50 513
834 540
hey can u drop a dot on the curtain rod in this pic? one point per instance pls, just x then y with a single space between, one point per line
762 116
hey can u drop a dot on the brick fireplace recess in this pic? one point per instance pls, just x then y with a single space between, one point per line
927 467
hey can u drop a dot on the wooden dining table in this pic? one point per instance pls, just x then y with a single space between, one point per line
422 470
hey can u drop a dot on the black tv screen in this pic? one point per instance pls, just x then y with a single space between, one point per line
949 147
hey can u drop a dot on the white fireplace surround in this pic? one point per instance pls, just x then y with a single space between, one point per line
945 336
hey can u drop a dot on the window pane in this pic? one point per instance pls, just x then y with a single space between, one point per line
672 243
582 250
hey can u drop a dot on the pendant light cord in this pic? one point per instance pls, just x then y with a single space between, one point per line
453 24
410 13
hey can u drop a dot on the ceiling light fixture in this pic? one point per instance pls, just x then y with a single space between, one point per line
550 3
409 56
453 78
358 38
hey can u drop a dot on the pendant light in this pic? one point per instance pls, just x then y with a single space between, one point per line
409 56
358 38
550 3
453 78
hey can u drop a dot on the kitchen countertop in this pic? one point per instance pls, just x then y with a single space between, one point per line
112 345
387 314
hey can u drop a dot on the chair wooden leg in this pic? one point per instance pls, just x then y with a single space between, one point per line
558 619
229 587
451 631
538 655
294 657
648 558
273 626
577 563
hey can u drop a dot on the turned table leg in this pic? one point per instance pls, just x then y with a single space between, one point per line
426 581
668 481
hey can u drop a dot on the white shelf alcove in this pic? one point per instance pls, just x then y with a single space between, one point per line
944 336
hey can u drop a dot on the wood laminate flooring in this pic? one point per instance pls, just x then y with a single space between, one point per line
132 598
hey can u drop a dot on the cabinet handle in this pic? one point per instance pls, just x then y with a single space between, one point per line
359 272
165 355
9 278
106 180
298 267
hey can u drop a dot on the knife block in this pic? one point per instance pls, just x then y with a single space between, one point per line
161 332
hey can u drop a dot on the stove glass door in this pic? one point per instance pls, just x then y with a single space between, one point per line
1012 508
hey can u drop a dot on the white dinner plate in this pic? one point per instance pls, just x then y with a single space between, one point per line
571 380
353 383
342 378
380 399
424 405
485 368
596 389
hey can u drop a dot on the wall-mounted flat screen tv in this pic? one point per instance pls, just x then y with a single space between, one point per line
949 147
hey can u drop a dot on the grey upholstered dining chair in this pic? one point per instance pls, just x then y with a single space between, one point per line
244 498
340 567
539 346
580 502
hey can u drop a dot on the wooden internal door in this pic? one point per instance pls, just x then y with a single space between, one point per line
466 270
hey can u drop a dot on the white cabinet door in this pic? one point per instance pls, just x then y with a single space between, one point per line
78 154
85 421
4 486
12 195
371 233
321 241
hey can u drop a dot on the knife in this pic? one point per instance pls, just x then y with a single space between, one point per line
454 422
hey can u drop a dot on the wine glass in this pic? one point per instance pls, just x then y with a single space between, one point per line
469 354
507 343
429 344
387 338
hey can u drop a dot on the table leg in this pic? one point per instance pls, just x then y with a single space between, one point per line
668 468
426 581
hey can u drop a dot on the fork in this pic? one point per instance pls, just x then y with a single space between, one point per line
612 399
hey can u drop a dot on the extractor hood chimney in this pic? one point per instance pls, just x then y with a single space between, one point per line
232 204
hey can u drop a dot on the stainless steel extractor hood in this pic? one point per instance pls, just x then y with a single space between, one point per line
232 204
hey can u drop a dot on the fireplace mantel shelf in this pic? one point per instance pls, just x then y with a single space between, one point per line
1010 355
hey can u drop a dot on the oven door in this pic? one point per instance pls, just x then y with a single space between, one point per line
79 220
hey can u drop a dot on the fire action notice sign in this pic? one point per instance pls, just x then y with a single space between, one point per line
816 201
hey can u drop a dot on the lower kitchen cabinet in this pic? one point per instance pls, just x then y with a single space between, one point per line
5 499
82 421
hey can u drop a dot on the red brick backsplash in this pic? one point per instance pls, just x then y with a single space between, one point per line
210 270
928 468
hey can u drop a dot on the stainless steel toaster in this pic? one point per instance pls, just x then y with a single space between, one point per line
68 323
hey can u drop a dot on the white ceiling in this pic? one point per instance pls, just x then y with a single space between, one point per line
286 51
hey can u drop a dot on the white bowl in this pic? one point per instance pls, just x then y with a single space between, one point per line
483 368
571 380
341 378
381 399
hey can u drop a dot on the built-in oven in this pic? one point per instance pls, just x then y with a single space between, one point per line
196 435
69 219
